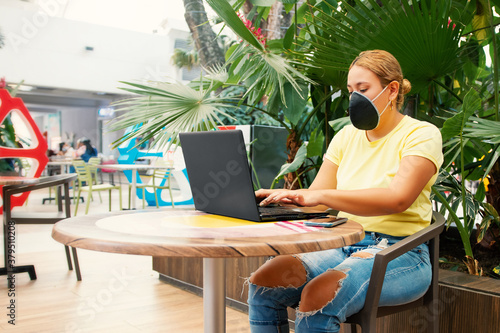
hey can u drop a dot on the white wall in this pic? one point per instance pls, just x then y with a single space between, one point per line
46 50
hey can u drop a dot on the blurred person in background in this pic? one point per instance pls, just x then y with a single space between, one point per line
85 150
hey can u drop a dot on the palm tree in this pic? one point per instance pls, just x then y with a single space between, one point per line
210 53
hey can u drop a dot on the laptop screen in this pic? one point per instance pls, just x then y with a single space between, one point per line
219 174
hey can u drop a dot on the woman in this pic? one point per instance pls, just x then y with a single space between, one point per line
378 172
85 149
66 150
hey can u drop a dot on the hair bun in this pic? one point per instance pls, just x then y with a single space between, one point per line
406 87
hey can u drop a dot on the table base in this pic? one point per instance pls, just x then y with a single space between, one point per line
30 269
63 198
214 295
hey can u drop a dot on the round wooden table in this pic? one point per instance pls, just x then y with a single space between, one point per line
190 233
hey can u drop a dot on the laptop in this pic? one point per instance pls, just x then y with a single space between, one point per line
221 182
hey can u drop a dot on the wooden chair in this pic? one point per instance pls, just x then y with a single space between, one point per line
367 317
85 183
160 180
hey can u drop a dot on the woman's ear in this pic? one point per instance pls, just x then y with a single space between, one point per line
394 89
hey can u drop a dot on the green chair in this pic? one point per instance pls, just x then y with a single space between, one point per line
94 170
85 183
160 180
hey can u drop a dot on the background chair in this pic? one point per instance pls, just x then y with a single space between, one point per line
85 183
367 317
94 170
160 180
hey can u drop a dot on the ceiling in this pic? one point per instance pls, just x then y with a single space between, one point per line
47 99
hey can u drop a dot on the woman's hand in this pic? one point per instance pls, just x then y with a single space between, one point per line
262 194
306 198
266 196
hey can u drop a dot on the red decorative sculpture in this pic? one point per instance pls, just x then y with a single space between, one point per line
37 151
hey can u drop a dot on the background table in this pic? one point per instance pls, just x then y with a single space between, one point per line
134 168
62 164
188 233
16 185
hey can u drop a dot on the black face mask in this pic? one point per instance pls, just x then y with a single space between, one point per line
363 113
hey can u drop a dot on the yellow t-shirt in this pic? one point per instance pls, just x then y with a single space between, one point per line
363 164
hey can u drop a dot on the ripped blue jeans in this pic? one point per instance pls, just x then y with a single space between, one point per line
407 278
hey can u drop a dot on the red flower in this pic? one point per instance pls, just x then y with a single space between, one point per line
449 21
256 32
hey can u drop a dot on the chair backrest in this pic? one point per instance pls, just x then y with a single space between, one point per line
93 163
84 174
161 177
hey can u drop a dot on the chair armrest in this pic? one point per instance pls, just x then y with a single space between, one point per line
412 241
383 258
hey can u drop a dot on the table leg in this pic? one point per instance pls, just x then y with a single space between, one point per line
214 295
10 248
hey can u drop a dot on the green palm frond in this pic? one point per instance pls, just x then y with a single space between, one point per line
264 73
488 130
263 69
419 36
217 73
162 110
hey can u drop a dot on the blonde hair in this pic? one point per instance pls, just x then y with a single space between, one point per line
387 68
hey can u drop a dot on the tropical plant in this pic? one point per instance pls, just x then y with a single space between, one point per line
162 110
196 106
471 147
439 44
454 128
261 66
451 36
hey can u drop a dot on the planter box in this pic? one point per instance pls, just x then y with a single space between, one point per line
466 303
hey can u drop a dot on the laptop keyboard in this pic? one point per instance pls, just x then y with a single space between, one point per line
273 210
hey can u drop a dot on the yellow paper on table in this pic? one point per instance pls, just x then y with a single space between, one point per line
216 221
